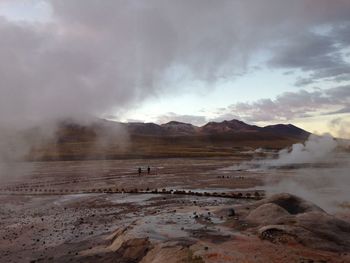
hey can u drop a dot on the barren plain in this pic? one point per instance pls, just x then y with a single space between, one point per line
185 210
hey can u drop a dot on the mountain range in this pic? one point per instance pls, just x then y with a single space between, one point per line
104 139
236 130
175 128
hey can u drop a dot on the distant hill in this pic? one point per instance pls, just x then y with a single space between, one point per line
228 127
105 139
179 128
287 130
175 128
224 130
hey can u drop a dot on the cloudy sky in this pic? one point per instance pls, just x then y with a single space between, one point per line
261 61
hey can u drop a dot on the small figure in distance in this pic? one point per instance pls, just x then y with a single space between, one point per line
148 170
139 170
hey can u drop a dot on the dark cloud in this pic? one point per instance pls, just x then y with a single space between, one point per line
341 34
318 55
342 110
290 105
341 93
305 51
95 58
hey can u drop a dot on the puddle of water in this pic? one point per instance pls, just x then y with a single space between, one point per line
130 198
213 190
166 226
209 190
177 225
73 197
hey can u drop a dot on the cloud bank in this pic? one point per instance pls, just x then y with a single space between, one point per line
326 186
94 58
317 170
291 105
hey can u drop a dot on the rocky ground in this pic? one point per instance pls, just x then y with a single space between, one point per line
184 211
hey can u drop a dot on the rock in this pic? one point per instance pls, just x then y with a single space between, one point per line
168 252
293 204
231 212
133 250
286 218
276 233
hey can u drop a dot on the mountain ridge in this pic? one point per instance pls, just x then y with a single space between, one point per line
217 131
105 139
176 128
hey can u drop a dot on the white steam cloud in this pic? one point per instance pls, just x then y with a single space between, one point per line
317 170
327 187
94 57
316 149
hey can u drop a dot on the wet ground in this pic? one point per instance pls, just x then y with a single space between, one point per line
59 227
103 211
89 176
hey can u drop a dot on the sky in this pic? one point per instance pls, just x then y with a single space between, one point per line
260 61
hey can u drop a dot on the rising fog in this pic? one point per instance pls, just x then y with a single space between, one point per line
320 171
89 59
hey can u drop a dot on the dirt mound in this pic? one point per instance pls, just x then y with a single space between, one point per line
269 213
293 204
288 218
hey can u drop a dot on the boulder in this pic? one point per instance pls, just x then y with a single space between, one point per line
231 212
286 218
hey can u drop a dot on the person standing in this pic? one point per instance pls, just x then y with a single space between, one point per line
148 170
139 170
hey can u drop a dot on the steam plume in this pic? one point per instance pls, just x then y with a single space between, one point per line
321 174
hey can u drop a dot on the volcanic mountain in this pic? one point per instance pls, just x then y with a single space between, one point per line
225 128
109 140
228 127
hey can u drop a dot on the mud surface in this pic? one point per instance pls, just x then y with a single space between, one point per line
185 210
79 176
